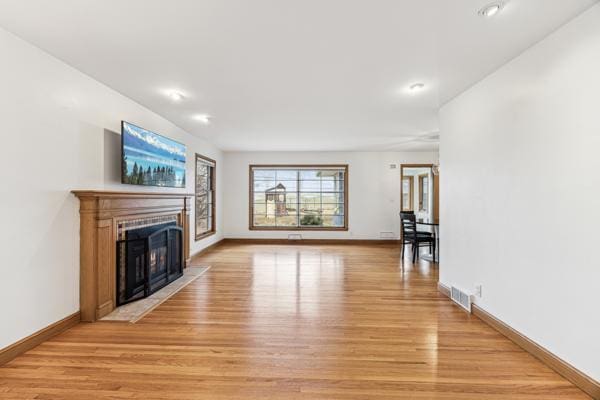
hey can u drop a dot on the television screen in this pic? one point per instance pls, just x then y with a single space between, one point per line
151 159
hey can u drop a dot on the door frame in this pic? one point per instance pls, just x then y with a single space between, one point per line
402 166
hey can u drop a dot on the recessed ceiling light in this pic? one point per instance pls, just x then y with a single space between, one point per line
416 87
202 118
491 9
175 95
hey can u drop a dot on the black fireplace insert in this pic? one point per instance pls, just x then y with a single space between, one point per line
148 259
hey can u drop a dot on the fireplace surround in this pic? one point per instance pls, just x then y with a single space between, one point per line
107 218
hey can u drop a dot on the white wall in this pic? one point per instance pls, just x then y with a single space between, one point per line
59 133
517 151
373 198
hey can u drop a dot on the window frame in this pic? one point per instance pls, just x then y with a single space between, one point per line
423 205
251 225
411 193
213 190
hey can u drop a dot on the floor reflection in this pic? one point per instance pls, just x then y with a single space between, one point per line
296 282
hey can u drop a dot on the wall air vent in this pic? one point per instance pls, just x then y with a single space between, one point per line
461 298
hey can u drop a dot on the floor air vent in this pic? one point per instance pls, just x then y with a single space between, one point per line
461 298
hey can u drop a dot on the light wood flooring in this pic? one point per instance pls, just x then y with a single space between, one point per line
290 322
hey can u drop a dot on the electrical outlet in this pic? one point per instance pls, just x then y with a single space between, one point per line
478 290
294 236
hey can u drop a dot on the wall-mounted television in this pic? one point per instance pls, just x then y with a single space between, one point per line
148 158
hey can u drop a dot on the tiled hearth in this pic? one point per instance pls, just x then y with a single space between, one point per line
135 311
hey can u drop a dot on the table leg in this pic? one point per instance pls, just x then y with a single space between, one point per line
429 257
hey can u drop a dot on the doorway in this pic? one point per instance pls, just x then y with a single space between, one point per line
419 190
419 194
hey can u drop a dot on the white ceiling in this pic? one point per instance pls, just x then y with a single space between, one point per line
290 74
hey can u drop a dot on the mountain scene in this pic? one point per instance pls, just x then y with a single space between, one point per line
151 159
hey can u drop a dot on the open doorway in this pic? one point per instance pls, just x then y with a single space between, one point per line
419 190
419 194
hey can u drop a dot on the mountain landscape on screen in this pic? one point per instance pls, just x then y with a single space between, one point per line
151 159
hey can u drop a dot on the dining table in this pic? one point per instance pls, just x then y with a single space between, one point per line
434 223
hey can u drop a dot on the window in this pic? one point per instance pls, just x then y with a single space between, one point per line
299 197
423 192
408 183
205 197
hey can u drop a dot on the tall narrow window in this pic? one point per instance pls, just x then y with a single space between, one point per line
423 192
205 196
407 193
299 197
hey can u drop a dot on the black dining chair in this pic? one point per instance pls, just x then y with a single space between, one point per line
410 235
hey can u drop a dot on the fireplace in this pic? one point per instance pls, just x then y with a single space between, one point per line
148 258
131 244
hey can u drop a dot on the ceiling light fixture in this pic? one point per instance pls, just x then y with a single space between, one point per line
416 87
175 95
203 118
491 9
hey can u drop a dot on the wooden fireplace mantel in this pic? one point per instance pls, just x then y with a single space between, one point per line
101 213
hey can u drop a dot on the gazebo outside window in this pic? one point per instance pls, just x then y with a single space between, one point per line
276 201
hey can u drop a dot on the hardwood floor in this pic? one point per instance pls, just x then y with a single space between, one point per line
290 322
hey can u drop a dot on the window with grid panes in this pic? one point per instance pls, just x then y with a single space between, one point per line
205 197
298 197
